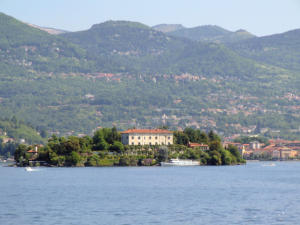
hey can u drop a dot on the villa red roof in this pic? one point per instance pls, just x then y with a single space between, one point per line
146 131
31 151
197 145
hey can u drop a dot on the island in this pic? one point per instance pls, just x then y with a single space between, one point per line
134 147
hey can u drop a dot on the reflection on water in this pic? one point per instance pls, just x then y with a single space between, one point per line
251 194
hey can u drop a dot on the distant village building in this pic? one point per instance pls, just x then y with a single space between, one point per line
255 145
7 140
203 147
147 137
33 152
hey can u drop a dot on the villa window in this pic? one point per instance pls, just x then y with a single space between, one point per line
169 143
139 137
132 143
139 143
155 138
169 138
132 137
150 138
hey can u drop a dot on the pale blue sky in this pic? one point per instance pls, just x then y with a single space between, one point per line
261 17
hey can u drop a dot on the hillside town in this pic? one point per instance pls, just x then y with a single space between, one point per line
277 149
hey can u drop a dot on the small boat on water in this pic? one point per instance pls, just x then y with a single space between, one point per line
270 164
180 162
29 169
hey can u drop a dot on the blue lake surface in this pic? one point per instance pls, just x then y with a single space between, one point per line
256 193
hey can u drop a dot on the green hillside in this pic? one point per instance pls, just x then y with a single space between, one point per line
165 28
24 48
13 131
211 33
129 75
282 50
140 49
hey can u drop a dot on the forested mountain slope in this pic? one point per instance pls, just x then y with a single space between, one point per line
210 33
140 49
24 48
282 50
127 74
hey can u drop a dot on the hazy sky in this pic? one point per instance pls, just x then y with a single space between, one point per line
261 17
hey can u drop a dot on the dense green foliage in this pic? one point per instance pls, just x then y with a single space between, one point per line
281 50
105 149
140 49
12 131
248 139
194 136
210 33
24 48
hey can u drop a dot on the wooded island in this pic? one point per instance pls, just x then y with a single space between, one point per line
105 148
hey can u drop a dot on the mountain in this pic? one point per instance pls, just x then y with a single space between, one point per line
140 49
113 46
26 48
127 74
282 50
209 33
166 28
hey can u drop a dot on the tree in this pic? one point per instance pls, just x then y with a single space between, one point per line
181 138
93 160
74 159
202 137
213 137
191 133
163 154
234 151
71 145
112 135
215 146
117 147
227 158
99 141
215 158
20 153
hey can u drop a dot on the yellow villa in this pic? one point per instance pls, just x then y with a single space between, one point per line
147 137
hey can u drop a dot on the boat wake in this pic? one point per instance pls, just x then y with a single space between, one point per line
30 169
270 164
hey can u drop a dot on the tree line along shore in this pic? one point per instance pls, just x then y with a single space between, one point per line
105 148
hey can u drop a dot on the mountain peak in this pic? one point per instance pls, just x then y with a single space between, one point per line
119 23
165 28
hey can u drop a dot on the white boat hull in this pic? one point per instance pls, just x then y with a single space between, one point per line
29 169
177 162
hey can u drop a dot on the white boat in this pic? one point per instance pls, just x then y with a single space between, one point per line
271 164
180 162
29 169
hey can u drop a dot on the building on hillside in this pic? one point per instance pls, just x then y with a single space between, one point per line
7 140
203 147
33 152
255 145
286 153
147 137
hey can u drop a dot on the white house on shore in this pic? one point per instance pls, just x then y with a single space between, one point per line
147 137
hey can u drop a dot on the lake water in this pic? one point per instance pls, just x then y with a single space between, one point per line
256 193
